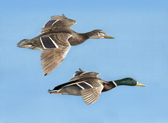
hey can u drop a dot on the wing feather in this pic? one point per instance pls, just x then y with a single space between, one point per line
91 95
83 74
61 23
52 58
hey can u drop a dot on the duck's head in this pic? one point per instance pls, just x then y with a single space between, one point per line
129 82
99 34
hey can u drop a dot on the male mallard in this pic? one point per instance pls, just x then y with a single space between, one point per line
56 39
89 86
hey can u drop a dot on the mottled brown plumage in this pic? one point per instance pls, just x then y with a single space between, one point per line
56 39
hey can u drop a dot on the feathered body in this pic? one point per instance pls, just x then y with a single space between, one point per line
56 39
89 86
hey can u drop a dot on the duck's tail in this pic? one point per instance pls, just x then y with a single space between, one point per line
26 43
53 92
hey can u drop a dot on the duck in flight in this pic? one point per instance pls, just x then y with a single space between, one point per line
56 39
89 86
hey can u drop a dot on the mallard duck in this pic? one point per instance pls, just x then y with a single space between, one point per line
56 39
89 86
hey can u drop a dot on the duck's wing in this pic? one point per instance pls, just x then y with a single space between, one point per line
73 88
89 92
91 95
55 47
82 74
58 23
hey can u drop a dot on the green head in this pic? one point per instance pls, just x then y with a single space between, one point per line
129 82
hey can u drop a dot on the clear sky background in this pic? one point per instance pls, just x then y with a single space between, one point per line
139 50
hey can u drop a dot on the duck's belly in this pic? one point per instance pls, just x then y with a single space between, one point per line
71 90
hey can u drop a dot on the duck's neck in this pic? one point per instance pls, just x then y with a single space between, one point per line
118 82
108 86
79 38
112 84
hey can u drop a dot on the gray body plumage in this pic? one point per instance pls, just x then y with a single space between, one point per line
89 86
85 84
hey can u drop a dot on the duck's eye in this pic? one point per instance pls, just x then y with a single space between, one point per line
101 34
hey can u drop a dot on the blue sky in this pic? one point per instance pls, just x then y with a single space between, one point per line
139 51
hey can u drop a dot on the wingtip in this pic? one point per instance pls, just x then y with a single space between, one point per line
81 70
63 15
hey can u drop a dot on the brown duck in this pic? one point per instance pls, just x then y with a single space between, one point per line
56 39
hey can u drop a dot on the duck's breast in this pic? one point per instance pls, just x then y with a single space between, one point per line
71 90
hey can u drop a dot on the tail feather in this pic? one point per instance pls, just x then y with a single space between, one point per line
26 43
54 92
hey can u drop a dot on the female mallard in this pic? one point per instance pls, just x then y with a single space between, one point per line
56 39
89 86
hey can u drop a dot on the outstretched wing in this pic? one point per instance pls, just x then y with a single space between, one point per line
55 47
82 74
90 91
58 23
91 95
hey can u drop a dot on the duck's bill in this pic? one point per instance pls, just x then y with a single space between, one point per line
110 37
139 84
